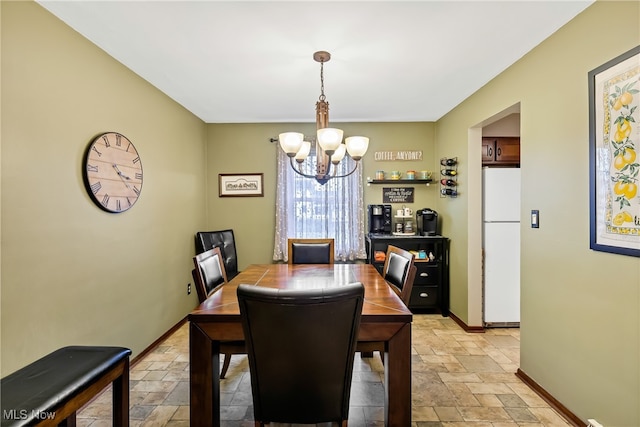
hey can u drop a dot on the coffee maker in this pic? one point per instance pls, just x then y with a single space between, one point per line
427 222
379 219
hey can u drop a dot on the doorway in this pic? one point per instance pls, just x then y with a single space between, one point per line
501 222
498 122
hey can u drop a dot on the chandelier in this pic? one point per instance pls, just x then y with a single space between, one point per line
329 147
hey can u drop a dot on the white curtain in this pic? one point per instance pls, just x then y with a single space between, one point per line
307 209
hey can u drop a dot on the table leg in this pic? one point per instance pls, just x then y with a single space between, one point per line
204 373
397 379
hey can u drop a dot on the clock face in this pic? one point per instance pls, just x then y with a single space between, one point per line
113 172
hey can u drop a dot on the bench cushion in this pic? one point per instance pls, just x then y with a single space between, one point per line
50 381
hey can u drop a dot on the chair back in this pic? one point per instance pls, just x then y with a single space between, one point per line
405 293
209 272
399 270
301 346
223 239
310 251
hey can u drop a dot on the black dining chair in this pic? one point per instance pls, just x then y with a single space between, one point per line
226 241
208 276
301 346
310 251
399 272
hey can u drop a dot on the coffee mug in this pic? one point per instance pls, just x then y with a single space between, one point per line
400 212
408 212
395 174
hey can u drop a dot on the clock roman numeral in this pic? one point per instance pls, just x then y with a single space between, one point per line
136 190
91 168
105 200
138 175
136 160
118 140
128 146
94 148
96 187
118 205
129 202
106 141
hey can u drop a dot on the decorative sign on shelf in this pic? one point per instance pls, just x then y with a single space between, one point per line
383 156
397 195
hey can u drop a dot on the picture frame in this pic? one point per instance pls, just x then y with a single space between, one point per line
614 155
241 185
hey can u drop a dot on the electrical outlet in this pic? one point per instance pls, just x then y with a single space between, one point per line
593 423
188 288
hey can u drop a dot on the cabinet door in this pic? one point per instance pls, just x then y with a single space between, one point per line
488 150
508 150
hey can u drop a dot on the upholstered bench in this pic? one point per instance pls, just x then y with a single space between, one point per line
49 391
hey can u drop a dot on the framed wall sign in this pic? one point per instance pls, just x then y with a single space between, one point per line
397 194
614 141
240 185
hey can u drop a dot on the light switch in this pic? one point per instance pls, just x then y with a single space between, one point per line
535 219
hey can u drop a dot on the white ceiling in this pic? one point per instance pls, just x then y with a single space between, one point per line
252 61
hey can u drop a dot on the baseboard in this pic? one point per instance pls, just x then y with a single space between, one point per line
467 328
552 401
157 342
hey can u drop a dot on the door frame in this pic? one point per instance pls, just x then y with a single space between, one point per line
475 309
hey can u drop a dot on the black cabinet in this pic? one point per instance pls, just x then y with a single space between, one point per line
431 285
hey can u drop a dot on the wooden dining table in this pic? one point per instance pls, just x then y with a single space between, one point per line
384 318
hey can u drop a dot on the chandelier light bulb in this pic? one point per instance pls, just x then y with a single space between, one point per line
357 146
329 139
291 142
339 154
303 152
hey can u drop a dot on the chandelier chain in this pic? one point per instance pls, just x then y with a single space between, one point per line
322 97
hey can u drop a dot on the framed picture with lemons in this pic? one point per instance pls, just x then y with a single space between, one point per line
614 143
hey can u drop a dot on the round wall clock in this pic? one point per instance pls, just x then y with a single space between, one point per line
113 172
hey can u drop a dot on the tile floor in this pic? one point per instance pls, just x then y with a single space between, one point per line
459 379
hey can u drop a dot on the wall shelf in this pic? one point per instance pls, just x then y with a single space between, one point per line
399 181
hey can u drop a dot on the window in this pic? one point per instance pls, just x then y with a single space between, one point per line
307 209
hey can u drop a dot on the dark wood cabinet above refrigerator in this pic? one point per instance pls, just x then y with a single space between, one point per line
501 151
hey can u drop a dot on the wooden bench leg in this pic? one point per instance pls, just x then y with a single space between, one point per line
121 398
70 421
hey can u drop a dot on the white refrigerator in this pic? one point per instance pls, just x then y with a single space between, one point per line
501 246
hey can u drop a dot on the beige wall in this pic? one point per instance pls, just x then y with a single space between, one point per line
580 330
245 148
71 273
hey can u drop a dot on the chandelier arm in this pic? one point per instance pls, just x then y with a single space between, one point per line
298 171
347 174
328 166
